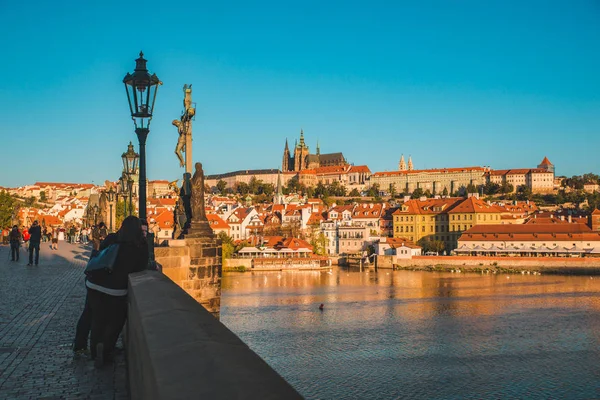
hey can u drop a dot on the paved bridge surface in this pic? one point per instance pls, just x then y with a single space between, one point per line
39 308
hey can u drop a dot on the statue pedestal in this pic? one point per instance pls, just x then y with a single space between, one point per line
195 264
200 229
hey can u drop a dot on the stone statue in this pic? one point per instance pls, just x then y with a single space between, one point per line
180 148
185 195
198 212
184 129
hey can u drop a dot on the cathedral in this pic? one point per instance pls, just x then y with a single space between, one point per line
302 159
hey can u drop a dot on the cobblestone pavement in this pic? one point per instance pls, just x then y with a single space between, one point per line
39 308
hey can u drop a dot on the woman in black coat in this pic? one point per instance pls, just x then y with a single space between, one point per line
107 292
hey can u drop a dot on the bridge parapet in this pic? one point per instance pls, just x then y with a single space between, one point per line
176 349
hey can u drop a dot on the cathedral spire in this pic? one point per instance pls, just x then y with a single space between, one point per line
286 145
302 138
402 164
318 148
410 163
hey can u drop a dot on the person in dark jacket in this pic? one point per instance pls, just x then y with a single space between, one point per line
107 292
15 238
35 239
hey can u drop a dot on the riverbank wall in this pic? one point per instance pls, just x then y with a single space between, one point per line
549 265
276 264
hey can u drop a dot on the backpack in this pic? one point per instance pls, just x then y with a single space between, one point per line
104 262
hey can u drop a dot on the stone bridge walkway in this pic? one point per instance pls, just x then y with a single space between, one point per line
39 308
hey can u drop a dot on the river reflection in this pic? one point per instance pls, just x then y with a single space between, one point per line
402 334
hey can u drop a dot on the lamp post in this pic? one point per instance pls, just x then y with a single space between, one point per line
110 195
123 192
141 90
130 167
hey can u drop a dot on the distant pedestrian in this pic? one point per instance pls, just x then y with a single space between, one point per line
72 234
54 239
98 235
26 235
15 238
35 238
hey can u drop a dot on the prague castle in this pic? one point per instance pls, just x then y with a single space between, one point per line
407 179
302 159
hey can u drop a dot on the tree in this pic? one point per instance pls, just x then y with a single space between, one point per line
8 209
30 201
226 245
221 185
524 193
43 195
445 191
491 188
417 193
506 188
373 190
242 188
392 190
354 193
321 190
266 188
319 244
254 185
293 185
471 188
428 245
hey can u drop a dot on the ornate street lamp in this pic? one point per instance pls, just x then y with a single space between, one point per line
130 160
130 167
141 90
110 195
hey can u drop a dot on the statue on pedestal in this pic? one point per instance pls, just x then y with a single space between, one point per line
198 212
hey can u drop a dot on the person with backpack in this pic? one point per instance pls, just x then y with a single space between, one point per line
15 238
107 289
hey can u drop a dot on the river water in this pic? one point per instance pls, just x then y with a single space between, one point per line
421 335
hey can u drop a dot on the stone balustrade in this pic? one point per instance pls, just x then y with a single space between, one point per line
176 349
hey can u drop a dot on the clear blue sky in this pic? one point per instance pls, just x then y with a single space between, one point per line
452 83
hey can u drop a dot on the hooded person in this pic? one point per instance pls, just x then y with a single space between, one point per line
107 291
15 237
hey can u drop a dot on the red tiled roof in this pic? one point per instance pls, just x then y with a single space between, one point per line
474 205
545 161
216 222
428 206
359 168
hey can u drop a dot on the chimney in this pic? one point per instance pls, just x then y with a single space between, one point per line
570 220
406 198
562 217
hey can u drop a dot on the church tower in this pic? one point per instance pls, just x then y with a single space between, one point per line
410 163
279 195
547 165
300 153
285 165
402 164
